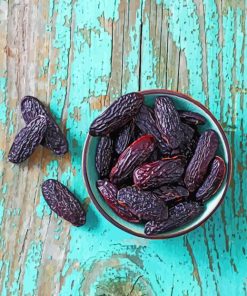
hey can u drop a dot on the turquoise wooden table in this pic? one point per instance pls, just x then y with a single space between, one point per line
78 56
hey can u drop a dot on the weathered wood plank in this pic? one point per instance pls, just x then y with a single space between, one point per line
78 56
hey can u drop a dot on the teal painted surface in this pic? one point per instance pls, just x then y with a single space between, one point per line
186 35
42 207
31 268
3 107
87 52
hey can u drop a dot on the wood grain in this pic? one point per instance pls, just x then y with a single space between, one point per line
78 56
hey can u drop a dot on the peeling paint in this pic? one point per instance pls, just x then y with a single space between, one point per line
5 279
213 50
3 106
1 211
72 284
148 75
3 113
32 264
62 42
15 287
11 125
132 58
185 33
2 153
85 37
4 188
45 67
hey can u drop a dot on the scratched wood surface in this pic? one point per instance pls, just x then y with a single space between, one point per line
78 56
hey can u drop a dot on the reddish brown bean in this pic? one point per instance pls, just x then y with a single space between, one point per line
133 156
198 166
213 180
155 174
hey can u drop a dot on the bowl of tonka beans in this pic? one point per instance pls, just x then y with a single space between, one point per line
156 163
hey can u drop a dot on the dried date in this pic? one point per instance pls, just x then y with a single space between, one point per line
188 150
124 137
104 155
109 193
63 202
154 156
188 146
192 118
146 123
198 166
138 133
168 122
117 114
133 156
171 193
144 204
213 181
178 216
27 140
188 132
54 138
155 174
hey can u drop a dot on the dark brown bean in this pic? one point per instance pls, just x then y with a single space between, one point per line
104 156
117 114
198 166
192 118
124 137
143 204
178 216
213 181
145 121
109 192
155 174
168 122
27 140
54 139
63 202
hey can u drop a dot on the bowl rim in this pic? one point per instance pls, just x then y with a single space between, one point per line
163 91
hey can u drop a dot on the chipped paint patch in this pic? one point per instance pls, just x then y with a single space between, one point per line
11 125
132 58
72 285
58 230
3 84
228 61
15 287
1 154
99 103
3 113
1 211
185 32
213 50
62 43
5 279
148 72
5 189
32 264
45 68
3 105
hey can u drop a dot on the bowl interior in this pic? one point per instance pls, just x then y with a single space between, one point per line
91 175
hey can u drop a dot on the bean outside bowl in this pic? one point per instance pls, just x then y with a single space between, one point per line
184 102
